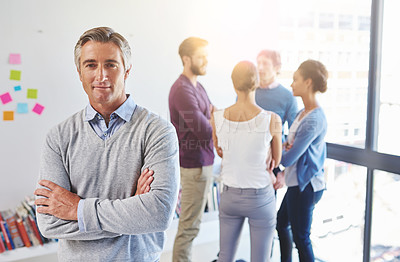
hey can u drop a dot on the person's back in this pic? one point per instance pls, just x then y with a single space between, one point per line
245 145
243 134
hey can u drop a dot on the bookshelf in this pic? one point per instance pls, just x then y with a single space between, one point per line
47 252
29 252
209 224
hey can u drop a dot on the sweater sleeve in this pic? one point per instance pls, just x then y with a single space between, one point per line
291 111
187 106
53 168
307 132
146 213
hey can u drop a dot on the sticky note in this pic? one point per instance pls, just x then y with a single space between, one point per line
38 109
17 88
14 59
15 75
8 115
31 93
22 108
5 98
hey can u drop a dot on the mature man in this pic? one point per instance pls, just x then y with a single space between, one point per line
91 163
189 108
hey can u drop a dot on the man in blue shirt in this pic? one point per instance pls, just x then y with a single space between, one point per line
271 95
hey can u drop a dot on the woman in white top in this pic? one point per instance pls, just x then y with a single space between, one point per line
244 134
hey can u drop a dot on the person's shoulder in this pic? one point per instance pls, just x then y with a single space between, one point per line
71 122
271 115
316 118
180 88
219 111
145 117
320 113
283 90
181 82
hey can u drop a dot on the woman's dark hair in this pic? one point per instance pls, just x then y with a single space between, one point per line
317 72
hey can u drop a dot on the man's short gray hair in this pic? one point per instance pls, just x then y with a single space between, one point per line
103 35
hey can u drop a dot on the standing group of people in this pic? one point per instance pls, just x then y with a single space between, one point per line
248 138
109 175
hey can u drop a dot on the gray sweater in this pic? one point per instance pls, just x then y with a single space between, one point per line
118 227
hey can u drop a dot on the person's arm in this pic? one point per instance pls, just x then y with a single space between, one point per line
291 111
63 204
214 133
306 133
146 213
275 128
187 106
275 153
52 168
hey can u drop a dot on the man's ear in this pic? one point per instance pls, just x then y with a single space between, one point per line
127 72
79 73
186 60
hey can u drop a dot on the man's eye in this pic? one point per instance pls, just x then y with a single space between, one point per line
110 65
90 65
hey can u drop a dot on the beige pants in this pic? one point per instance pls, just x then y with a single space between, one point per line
195 187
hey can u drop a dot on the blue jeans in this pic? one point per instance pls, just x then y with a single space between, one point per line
294 222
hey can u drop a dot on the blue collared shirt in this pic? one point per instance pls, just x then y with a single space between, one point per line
117 119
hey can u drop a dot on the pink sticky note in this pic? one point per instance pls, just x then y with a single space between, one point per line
5 98
15 59
38 109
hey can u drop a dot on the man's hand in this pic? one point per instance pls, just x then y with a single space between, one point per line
280 180
58 201
144 181
287 146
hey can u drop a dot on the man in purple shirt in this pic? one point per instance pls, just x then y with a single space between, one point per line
189 108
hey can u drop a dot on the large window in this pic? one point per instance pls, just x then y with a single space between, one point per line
389 110
339 217
334 33
385 241
356 220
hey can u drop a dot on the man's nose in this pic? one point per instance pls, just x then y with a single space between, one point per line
101 74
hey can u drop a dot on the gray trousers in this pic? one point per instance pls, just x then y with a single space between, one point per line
258 205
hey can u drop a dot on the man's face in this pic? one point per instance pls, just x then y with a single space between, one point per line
102 74
266 69
199 61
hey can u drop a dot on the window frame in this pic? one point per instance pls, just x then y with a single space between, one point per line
368 156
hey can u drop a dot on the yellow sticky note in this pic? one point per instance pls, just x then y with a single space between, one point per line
15 75
8 115
32 93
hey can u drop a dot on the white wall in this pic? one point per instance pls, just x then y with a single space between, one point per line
44 32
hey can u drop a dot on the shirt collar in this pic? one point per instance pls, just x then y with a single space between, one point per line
271 86
125 111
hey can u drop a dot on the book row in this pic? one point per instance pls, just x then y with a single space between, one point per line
18 227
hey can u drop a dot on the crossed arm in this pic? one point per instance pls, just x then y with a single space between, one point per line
63 204
107 218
